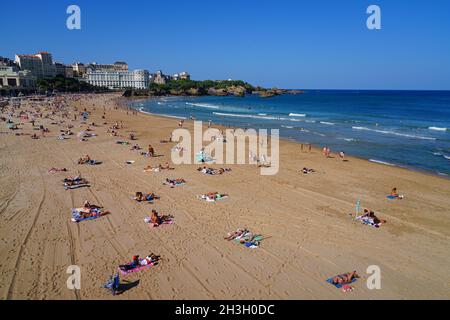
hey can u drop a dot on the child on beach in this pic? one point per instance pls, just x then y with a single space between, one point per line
394 194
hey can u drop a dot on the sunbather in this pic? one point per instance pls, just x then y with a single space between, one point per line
145 197
212 196
233 235
150 259
307 170
370 217
87 212
88 205
213 171
54 170
136 262
345 278
136 147
174 182
84 159
74 181
394 194
132 265
155 219
158 168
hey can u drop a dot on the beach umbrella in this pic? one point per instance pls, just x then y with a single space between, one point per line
358 206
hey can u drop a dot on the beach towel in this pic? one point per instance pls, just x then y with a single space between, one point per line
207 199
174 184
368 221
339 285
148 198
253 244
137 269
76 186
391 197
76 214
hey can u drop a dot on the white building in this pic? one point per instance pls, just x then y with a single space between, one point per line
159 77
181 76
40 64
10 76
137 79
79 69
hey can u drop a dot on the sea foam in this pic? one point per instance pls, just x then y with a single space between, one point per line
297 115
394 133
437 129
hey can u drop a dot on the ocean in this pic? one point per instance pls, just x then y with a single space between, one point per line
409 129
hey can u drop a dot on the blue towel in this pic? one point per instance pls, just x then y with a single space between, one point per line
338 285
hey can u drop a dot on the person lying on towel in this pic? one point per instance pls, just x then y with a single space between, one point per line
235 234
307 170
86 159
370 216
174 182
138 262
345 278
74 181
88 212
159 168
215 196
88 205
145 197
136 147
212 171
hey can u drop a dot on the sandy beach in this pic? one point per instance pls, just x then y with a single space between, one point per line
310 235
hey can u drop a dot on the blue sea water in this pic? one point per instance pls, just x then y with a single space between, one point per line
404 128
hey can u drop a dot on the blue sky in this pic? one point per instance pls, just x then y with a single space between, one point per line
291 44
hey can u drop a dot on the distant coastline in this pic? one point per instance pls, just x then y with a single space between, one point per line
237 88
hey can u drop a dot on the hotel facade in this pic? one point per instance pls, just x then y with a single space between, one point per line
11 77
40 65
137 79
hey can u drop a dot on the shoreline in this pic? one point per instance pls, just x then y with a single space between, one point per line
317 148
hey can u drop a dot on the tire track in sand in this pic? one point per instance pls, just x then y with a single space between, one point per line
27 238
72 253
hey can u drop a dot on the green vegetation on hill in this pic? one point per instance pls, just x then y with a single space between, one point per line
192 87
62 84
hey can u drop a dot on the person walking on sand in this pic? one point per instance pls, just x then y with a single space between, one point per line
342 155
151 151
324 151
